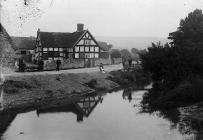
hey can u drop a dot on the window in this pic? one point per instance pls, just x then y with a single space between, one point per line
76 49
55 49
91 55
61 54
82 55
60 49
87 55
87 42
56 54
91 49
96 55
50 58
81 48
45 49
45 56
50 49
76 55
23 52
70 49
96 49
86 49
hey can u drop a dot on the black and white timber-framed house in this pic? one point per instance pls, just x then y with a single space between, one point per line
61 46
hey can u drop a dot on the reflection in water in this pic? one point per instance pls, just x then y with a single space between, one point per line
5 120
127 94
107 117
82 107
180 119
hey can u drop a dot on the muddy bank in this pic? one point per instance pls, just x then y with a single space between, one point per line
21 92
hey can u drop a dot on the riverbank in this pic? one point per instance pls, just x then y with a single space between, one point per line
28 91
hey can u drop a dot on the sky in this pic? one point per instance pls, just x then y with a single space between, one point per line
115 18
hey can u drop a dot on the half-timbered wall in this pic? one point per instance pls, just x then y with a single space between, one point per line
86 47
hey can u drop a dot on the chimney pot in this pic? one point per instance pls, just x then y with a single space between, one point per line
80 27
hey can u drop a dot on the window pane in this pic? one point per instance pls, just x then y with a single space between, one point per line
55 49
61 54
96 55
76 55
81 48
70 49
96 49
82 55
60 49
50 58
50 49
87 55
76 49
45 49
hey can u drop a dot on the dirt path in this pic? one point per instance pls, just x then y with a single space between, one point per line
81 70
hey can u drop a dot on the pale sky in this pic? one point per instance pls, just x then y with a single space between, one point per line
119 18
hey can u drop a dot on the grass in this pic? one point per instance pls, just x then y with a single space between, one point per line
11 86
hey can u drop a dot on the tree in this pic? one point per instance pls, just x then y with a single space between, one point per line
125 54
190 30
182 59
115 53
134 51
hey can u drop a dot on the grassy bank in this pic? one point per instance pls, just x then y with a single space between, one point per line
29 91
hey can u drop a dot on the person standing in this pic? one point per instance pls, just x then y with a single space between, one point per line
58 63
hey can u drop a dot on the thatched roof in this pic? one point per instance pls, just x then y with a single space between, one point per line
60 40
27 43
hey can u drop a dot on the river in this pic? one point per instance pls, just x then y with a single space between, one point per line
110 116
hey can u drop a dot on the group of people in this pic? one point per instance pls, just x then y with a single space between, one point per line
20 65
127 63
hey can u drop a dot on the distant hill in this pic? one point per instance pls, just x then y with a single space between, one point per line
131 42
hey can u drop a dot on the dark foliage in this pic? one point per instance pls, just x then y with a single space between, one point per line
177 68
115 53
136 78
125 54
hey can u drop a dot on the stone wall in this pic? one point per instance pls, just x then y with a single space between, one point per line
65 64
104 61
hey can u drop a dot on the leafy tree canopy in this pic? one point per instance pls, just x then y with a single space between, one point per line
182 59
125 54
190 30
115 53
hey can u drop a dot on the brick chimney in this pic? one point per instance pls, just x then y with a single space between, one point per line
80 27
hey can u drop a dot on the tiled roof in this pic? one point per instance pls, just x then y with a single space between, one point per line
59 40
24 42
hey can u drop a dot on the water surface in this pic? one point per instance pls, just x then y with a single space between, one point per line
112 116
